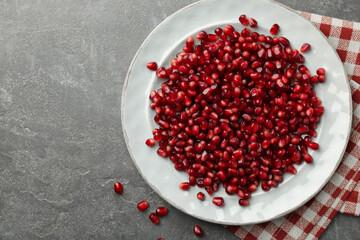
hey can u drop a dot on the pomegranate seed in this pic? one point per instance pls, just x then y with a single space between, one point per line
285 42
118 188
150 142
307 158
320 71
243 20
252 22
198 231
218 201
313 146
161 153
243 202
154 219
161 73
274 29
161 211
305 47
238 110
201 196
202 35
152 66
184 186
143 205
190 42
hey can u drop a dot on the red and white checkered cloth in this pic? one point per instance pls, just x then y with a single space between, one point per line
341 193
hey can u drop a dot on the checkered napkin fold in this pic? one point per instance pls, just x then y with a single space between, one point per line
342 192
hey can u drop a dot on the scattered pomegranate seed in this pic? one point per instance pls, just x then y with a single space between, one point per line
243 20
320 71
152 66
150 142
143 205
274 29
154 218
305 47
198 231
253 23
243 202
160 239
236 110
218 201
161 211
201 196
184 186
118 188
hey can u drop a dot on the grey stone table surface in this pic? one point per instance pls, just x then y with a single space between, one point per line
62 68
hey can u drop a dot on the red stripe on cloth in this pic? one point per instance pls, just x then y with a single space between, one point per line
350 146
356 96
342 54
325 28
294 218
232 229
346 33
280 234
249 236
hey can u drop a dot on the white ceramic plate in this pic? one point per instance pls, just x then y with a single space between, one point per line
137 117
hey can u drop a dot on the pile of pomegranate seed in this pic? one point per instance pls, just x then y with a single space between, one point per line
237 109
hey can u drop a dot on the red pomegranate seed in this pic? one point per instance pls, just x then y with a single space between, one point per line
305 47
184 186
274 29
307 158
118 188
201 196
161 153
218 201
313 145
160 239
238 110
285 42
202 35
243 20
152 66
198 231
253 23
161 73
190 42
154 219
150 142
143 205
244 202
161 211
321 78
320 71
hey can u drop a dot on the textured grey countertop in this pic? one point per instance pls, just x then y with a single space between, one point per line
62 67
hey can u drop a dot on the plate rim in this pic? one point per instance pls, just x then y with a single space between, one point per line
211 220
